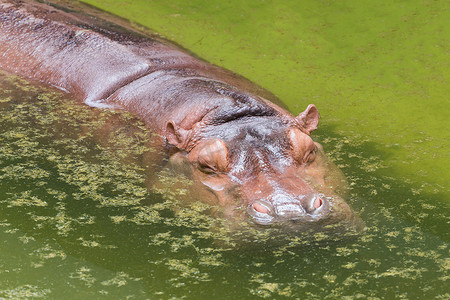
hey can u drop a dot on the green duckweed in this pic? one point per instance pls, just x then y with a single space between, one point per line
78 219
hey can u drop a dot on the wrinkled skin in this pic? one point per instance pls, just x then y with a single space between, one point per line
279 173
240 149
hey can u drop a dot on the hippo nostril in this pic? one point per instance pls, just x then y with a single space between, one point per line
315 204
260 208
318 202
261 212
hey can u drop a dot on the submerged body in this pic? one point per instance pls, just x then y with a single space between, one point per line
239 148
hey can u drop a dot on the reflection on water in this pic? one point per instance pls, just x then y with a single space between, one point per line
77 221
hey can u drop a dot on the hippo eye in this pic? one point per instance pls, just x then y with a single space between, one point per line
210 156
303 147
310 156
206 168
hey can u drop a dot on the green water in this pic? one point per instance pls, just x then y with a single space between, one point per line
77 222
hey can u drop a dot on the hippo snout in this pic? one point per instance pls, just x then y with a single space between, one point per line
282 208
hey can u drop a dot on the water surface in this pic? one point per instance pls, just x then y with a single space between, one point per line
76 218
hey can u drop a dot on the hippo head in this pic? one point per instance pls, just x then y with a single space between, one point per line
266 164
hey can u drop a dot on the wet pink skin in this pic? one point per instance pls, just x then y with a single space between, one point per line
242 148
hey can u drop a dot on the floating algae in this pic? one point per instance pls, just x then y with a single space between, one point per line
78 220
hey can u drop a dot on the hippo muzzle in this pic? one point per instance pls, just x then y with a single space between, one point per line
283 208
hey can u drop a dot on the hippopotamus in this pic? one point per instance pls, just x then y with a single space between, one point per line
238 143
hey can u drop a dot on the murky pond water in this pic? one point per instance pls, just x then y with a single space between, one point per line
77 221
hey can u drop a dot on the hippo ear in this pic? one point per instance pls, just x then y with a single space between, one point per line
309 119
176 135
